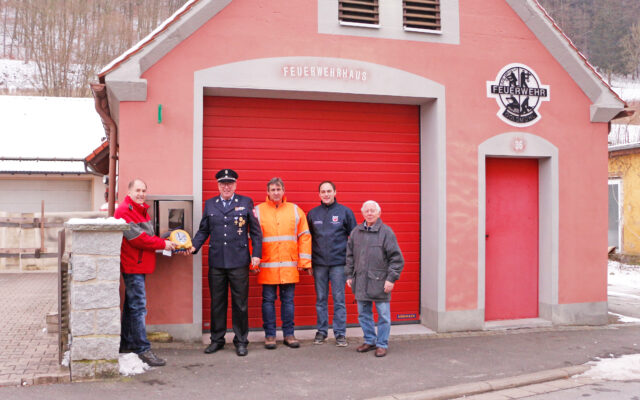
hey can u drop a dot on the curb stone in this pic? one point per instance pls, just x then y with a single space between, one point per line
469 389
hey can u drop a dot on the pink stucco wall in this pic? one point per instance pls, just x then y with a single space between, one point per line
491 36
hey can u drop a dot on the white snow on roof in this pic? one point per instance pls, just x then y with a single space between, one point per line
623 134
47 127
148 38
42 167
627 89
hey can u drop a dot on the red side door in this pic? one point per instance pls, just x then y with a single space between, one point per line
511 274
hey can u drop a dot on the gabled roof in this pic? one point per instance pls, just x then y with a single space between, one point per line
123 75
148 39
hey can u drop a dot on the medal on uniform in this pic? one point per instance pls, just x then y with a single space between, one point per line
241 221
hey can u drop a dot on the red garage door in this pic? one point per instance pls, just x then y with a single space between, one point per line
371 151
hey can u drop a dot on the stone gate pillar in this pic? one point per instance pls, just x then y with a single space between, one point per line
95 297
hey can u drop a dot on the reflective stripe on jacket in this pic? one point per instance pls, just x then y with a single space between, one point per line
286 242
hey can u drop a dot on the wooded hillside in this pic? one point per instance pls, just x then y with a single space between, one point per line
607 32
69 41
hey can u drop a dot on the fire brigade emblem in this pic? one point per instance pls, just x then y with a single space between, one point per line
519 94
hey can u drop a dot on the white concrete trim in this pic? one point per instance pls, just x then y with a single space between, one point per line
265 78
606 105
197 204
391 24
619 182
548 191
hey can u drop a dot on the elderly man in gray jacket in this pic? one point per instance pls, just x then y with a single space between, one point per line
374 263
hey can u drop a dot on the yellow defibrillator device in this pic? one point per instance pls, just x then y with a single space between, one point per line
181 238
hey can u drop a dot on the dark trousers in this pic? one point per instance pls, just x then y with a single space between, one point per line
287 308
133 334
220 280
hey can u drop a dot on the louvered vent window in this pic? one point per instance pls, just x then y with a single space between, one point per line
359 12
422 14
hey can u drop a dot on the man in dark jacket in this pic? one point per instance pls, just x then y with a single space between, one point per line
137 259
230 221
374 263
330 224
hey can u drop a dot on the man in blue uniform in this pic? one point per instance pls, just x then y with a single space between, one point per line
330 224
230 221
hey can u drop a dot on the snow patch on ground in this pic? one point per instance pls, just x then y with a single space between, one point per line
625 368
624 318
131 364
623 274
65 359
17 74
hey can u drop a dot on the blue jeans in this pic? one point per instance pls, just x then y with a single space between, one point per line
133 334
365 317
322 276
287 308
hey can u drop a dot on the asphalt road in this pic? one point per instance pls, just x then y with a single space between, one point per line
319 372
624 300
609 390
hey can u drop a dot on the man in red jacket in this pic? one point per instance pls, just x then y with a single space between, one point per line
137 258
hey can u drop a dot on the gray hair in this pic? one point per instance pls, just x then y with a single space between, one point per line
275 181
373 203
133 182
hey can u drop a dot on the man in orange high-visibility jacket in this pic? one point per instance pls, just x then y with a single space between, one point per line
286 249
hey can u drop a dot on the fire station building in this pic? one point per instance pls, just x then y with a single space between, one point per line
476 125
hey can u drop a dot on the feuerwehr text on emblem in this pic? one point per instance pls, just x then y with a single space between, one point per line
519 94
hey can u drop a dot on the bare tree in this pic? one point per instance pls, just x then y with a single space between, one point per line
71 40
631 49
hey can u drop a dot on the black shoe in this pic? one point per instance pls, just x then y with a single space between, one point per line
151 359
341 341
213 347
241 350
320 338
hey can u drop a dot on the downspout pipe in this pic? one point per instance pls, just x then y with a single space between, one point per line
99 91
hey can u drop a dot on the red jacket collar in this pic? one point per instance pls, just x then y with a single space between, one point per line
132 205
